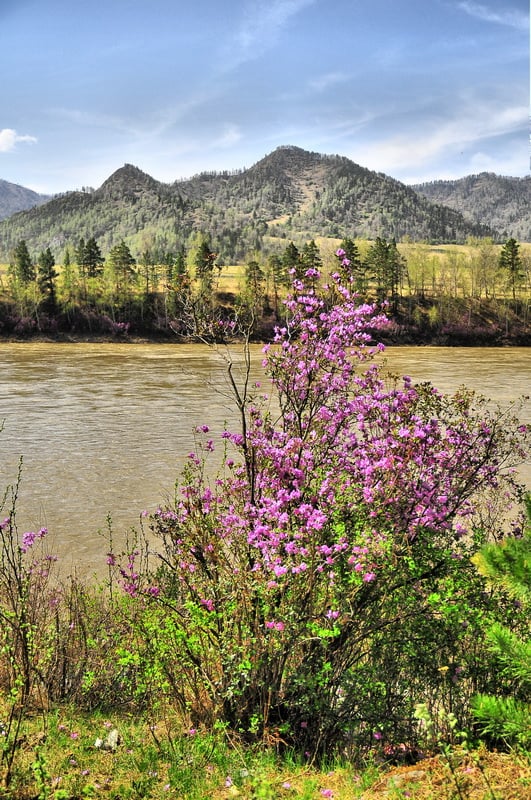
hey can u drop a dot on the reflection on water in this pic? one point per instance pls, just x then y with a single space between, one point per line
104 428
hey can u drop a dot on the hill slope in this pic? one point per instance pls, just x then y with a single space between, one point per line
15 198
291 193
503 203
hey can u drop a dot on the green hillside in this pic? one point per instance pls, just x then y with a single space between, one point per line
289 194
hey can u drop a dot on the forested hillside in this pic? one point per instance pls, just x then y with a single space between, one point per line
503 203
290 193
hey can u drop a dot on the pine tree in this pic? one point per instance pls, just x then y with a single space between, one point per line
291 261
388 268
508 565
353 270
254 286
511 261
279 274
22 265
46 275
67 277
311 257
93 259
204 263
122 264
377 261
396 268
79 255
179 270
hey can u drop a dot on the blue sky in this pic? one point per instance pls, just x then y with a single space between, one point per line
418 89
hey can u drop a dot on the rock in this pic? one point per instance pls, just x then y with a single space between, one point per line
412 775
111 741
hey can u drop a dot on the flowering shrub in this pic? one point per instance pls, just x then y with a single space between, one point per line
321 584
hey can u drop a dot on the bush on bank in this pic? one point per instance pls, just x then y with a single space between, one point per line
314 593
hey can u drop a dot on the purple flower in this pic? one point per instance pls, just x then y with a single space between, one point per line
29 538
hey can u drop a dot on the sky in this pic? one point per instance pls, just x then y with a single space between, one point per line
418 89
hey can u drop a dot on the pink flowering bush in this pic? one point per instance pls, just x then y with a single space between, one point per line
320 586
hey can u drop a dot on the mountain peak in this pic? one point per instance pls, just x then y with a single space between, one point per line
129 180
290 193
291 156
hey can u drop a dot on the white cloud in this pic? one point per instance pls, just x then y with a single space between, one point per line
260 28
412 150
9 138
512 17
230 136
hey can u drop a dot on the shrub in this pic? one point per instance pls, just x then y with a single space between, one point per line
321 586
507 717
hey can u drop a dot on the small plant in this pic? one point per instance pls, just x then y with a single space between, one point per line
508 718
24 577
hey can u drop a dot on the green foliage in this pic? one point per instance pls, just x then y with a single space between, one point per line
289 190
387 268
508 717
502 202
46 276
89 258
511 262
22 265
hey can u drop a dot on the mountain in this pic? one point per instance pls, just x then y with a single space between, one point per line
15 198
503 203
289 194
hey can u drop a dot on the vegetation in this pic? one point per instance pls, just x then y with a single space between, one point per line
501 201
299 620
473 294
290 194
148 259
509 565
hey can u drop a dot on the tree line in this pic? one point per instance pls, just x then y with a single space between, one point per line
180 289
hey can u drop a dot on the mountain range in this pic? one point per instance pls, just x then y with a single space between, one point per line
290 194
15 198
503 202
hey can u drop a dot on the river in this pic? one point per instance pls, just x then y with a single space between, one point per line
105 428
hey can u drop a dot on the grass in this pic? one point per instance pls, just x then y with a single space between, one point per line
56 757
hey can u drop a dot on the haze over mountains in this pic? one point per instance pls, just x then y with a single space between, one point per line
503 202
289 194
15 198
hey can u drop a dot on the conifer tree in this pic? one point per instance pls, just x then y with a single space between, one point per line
291 260
22 265
93 259
351 265
254 279
310 256
46 275
204 263
508 566
511 261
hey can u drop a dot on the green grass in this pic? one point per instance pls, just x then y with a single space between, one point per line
56 757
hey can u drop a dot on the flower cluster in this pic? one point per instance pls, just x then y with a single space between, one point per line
342 487
29 539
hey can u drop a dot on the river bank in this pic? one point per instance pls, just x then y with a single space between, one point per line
445 321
